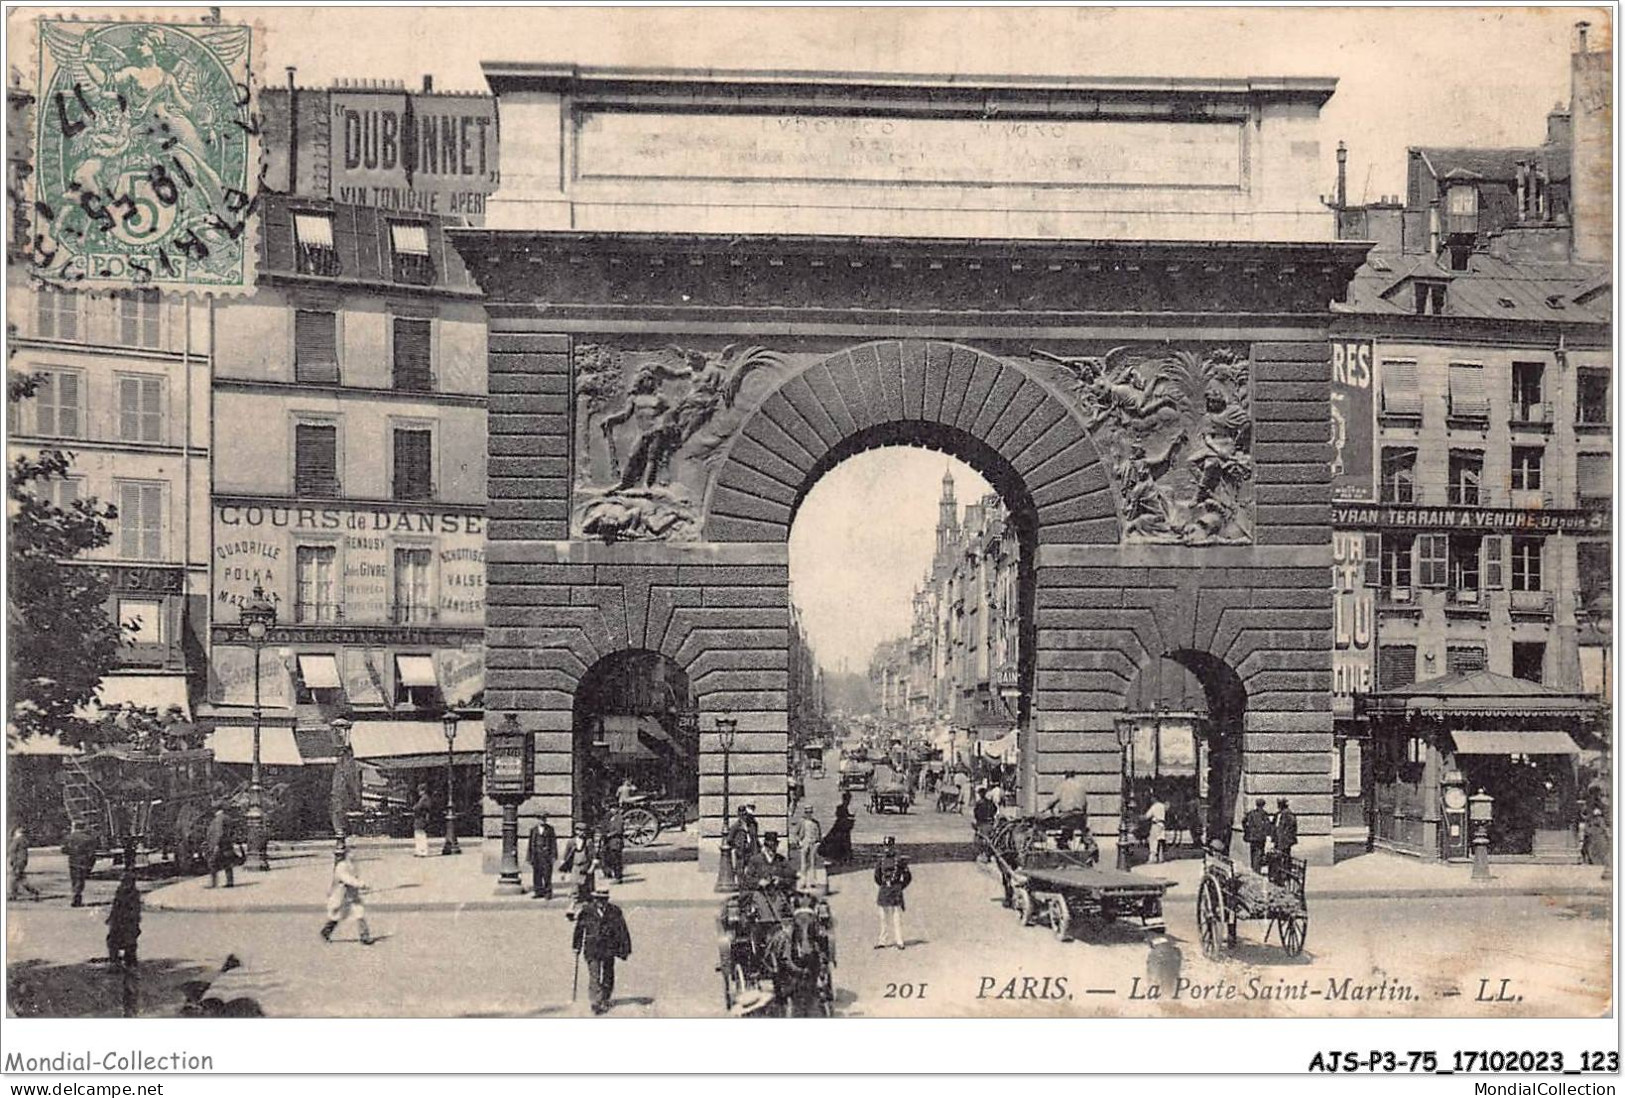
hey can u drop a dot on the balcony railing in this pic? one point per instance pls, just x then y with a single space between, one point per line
1536 414
413 270
317 261
413 614
315 612
316 487
1465 495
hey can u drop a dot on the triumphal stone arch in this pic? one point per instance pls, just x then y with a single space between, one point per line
1110 297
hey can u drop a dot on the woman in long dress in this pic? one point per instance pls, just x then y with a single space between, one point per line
837 845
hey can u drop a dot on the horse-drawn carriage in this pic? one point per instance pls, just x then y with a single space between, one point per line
1229 893
1051 874
856 775
894 799
777 952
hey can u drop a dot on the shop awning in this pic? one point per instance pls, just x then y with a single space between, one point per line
415 743
160 692
235 744
1481 694
320 672
416 670
1514 743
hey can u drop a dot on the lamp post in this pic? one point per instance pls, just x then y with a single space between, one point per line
727 729
449 722
257 617
1125 741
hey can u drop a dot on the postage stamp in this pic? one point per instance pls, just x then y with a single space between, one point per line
146 156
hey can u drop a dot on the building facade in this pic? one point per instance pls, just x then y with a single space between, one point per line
1473 381
124 388
685 334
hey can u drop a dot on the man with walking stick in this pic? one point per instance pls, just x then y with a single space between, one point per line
602 936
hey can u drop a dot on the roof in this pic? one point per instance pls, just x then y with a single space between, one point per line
361 239
1490 288
1500 165
1482 693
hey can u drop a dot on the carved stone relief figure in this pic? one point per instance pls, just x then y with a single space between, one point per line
646 423
1176 428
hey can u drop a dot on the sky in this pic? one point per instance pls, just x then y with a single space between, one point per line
1412 76
862 542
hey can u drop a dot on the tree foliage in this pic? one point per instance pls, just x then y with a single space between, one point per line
62 639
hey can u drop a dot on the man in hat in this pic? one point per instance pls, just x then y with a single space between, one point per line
808 835
892 877
80 847
218 841
1255 832
601 936
541 851
344 896
17 863
612 835
740 842
1286 833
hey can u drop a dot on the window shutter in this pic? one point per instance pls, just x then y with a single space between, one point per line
413 457
152 531
1595 476
151 400
1467 395
315 346
1373 560
129 408
45 313
66 387
1493 578
1396 665
1401 394
1461 660
412 366
316 460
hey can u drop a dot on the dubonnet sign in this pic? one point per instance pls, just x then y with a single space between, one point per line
428 154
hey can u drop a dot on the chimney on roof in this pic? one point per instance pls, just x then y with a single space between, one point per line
1342 175
1583 29
428 83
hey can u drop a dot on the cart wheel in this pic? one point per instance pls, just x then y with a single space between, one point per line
642 828
1210 919
1024 906
1294 929
1060 920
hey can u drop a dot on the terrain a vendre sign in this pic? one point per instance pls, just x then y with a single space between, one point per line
414 153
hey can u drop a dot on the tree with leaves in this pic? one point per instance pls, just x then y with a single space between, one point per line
62 638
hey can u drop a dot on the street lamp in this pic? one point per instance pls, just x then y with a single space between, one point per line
727 729
257 617
449 722
1125 741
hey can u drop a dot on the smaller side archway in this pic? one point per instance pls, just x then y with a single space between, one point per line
632 721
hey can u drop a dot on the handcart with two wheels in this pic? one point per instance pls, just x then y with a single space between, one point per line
1229 893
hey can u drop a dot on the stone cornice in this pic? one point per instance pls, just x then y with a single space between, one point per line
903 274
670 89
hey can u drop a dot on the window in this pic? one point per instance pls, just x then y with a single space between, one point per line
413 598
414 463
58 404
1396 666
313 244
140 520
1526 564
315 346
314 598
62 491
409 245
1591 397
1595 572
1528 660
1463 659
141 408
1463 201
56 314
139 314
1526 465
1398 475
1401 389
412 368
1430 298
1595 476
1493 569
1466 476
1465 553
1527 389
1468 399
1432 559
1396 562
315 460
147 618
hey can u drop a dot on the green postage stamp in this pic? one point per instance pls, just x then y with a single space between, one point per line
146 156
